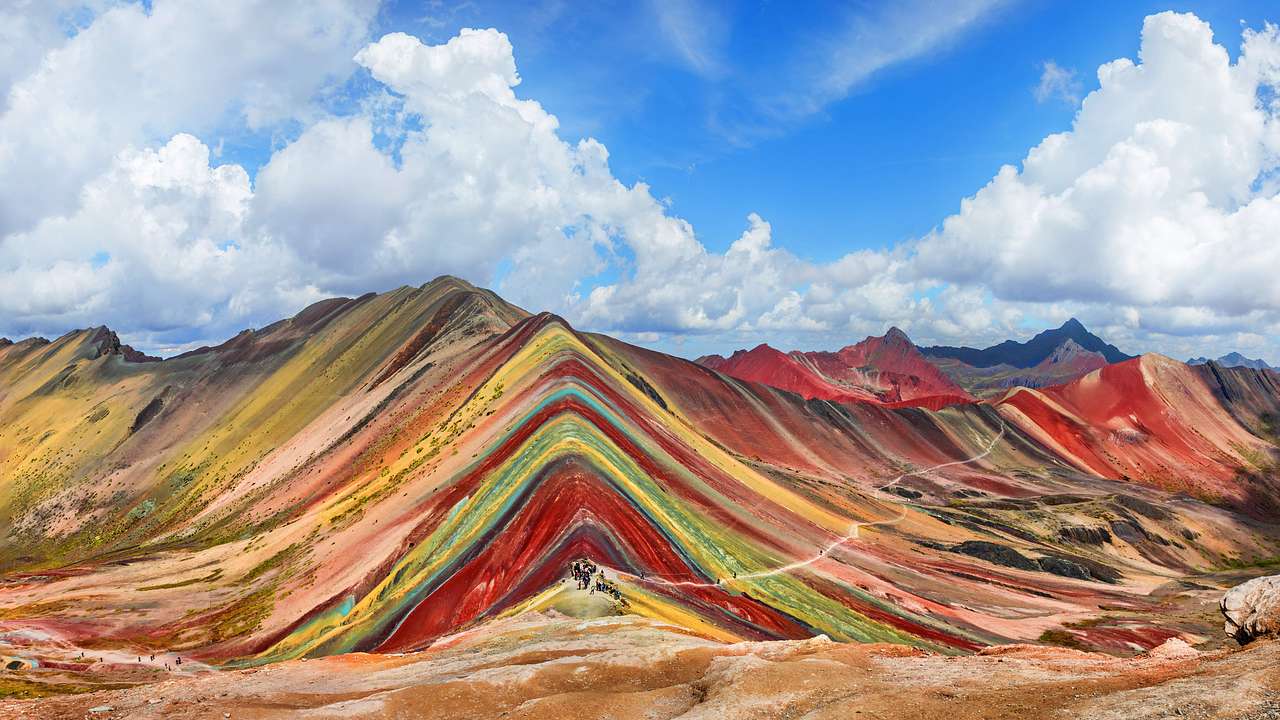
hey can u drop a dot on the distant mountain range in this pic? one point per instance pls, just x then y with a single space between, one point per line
891 370
1032 352
1052 357
1233 359
887 370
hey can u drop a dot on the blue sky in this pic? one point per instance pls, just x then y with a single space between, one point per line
881 166
798 173
884 165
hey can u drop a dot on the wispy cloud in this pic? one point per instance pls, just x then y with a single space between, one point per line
839 60
1058 83
695 33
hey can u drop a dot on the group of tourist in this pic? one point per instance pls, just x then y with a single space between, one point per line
592 579
177 661
167 667
582 572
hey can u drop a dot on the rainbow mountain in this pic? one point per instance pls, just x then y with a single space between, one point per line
377 473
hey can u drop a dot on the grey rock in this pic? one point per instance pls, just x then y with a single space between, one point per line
1252 609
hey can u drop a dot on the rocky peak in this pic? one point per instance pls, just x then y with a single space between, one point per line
896 336
108 343
1073 327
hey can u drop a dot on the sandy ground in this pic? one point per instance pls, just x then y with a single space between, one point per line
553 666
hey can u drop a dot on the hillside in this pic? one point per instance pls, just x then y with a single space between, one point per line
1156 421
377 473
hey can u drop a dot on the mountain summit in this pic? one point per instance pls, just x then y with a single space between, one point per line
1032 352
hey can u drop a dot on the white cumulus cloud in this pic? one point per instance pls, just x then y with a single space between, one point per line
1156 198
133 77
1154 217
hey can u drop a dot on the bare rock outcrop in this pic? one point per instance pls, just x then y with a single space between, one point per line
1252 609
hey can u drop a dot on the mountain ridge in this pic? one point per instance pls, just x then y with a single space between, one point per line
1233 359
886 369
1031 352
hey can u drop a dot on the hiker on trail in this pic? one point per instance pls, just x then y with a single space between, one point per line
153 657
179 660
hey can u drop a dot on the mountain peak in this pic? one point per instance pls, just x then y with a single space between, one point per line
106 342
895 334
1073 325
444 280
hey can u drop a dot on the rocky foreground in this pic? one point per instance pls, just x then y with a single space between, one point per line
545 665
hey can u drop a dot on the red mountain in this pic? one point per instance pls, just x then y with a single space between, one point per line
1153 420
887 370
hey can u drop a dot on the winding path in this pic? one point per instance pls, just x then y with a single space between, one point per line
851 534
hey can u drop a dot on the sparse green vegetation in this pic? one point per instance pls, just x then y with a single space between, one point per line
278 560
17 688
1061 638
243 616
183 583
